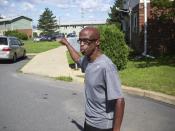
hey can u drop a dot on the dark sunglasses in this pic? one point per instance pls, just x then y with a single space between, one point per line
86 41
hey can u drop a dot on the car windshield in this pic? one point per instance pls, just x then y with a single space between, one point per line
3 41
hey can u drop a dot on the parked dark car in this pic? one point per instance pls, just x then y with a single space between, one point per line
71 35
51 37
46 38
43 38
58 36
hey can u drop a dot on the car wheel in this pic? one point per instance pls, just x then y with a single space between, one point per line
24 54
14 58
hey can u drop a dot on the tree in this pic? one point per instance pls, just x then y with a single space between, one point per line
114 15
161 28
47 22
164 9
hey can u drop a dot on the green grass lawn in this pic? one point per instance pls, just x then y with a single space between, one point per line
64 78
154 75
70 61
150 76
37 47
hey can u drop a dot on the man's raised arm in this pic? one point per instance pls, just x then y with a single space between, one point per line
74 54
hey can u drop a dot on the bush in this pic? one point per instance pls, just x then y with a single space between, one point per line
113 45
17 34
35 34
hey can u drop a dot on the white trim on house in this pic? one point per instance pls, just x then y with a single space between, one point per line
13 18
5 19
142 1
83 23
133 3
74 26
77 26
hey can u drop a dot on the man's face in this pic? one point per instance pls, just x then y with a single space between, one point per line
87 42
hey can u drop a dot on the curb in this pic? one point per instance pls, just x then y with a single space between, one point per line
31 54
140 92
150 94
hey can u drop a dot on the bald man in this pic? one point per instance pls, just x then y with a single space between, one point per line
104 102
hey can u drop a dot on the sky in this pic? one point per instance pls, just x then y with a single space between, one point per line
64 10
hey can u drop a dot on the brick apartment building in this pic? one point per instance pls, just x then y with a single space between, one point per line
137 22
160 35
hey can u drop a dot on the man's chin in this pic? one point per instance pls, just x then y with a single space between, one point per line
82 52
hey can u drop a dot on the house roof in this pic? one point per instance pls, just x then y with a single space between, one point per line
74 23
14 19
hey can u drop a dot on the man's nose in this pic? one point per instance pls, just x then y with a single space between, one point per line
82 43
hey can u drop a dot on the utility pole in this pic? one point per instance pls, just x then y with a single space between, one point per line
145 28
82 13
130 26
129 11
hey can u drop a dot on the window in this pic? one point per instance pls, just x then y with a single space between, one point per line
3 41
18 42
13 41
135 22
124 1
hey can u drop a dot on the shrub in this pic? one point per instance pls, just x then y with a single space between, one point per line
17 34
35 34
113 45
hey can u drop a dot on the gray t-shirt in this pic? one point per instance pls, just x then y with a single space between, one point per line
102 87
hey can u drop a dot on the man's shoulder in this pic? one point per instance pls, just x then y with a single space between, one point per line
105 60
107 63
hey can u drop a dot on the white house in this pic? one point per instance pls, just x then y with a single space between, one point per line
21 23
76 26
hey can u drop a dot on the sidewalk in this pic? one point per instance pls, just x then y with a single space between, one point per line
53 63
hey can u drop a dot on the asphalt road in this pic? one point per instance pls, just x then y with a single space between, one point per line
35 103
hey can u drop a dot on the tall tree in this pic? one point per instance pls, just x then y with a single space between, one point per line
164 9
114 15
47 22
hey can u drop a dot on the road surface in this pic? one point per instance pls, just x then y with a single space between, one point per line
35 103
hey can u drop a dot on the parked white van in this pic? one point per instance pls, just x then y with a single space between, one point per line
11 48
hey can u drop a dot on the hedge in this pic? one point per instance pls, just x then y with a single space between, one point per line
17 34
113 45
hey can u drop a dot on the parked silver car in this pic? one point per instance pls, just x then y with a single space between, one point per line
11 48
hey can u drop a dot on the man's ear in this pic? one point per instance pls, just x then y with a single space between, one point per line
97 42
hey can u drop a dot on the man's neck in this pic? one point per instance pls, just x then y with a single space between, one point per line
95 55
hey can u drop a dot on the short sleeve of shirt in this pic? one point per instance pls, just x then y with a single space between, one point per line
83 63
113 83
80 61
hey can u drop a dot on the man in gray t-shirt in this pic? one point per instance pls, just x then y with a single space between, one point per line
104 105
